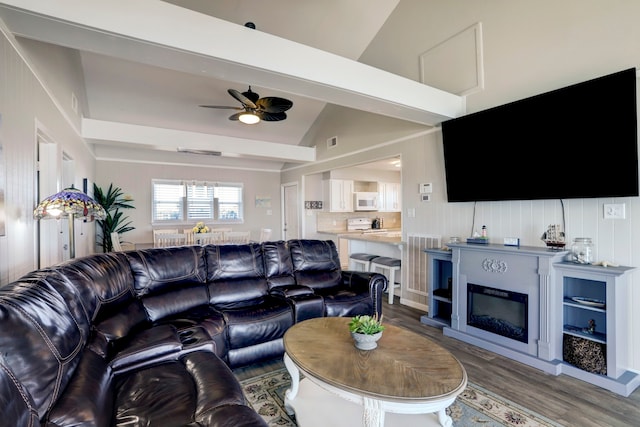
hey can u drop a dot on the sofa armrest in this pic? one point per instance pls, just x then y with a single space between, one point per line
376 283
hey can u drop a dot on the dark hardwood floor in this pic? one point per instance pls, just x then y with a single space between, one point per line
566 400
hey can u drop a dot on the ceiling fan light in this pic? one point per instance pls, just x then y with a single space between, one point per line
249 118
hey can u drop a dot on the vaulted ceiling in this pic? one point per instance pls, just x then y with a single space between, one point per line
148 65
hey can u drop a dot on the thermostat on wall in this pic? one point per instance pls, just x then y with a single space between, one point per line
426 188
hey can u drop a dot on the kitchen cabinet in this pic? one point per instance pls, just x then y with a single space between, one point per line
389 196
338 194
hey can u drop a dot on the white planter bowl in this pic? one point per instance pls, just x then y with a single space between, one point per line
366 342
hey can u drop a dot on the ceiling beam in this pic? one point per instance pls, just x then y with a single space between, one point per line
171 140
161 34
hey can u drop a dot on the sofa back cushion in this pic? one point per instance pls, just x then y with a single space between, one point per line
105 282
169 280
278 267
17 405
43 329
235 275
315 263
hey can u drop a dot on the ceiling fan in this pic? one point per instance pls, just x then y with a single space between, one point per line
254 108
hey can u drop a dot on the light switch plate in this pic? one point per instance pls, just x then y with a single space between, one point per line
511 241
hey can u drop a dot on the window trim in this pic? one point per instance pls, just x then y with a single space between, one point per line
215 220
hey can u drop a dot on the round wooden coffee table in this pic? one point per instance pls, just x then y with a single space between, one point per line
406 374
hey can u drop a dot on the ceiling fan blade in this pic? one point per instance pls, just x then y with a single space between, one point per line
243 99
271 117
236 116
226 107
272 104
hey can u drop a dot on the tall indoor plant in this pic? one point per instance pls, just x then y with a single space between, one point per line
112 201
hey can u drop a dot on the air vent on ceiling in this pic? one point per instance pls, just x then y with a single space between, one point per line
332 142
201 152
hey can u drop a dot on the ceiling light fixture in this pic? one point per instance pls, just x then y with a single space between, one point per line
249 118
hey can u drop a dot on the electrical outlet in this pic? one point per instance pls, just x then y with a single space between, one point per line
614 211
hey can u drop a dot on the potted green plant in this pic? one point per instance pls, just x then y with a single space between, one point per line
366 331
113 200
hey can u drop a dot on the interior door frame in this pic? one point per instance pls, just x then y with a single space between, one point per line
290 207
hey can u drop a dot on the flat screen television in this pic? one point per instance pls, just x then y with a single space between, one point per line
580 141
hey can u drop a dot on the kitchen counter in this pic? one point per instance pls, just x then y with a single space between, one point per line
387 243
391 236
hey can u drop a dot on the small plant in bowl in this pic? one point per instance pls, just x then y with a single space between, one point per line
366 331
366 324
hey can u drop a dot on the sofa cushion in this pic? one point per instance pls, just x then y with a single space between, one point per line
40 338
118 326
17 406
316 263
169 280
236 275
88 399
188 391
105 282
257 323
278 267
155 270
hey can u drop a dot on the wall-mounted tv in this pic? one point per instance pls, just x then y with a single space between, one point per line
580 141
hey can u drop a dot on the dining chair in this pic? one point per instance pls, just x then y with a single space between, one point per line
265 234
156 233
189 233
119 246
171 239
237 237
222 229
211 238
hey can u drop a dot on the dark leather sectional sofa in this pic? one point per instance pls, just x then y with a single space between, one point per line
149 338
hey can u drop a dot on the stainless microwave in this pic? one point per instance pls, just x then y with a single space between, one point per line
365 201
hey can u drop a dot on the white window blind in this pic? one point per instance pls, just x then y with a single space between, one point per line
168 201
199 202
229 202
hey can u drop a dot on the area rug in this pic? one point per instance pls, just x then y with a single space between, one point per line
473 407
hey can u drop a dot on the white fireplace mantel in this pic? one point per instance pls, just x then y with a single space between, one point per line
524 269
549 284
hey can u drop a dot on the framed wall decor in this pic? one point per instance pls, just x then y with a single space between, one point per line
87 187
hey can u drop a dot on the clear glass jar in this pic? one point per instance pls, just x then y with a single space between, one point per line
582 250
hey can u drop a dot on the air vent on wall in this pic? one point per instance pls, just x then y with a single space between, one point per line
332 142
201 152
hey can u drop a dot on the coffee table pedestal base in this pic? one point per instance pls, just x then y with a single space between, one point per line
317 407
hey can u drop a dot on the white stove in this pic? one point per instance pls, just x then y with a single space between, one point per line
358 224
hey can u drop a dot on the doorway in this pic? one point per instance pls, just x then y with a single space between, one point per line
290 211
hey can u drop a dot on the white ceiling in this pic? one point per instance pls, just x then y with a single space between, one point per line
144 88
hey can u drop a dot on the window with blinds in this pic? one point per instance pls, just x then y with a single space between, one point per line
219 202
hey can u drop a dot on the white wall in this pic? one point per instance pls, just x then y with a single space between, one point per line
529 48
26 107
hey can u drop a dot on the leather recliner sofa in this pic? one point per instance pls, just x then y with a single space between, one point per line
149 337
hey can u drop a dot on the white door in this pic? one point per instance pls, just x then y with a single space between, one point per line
290 212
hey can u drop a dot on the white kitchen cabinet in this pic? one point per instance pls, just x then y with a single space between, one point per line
338 194
390 196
